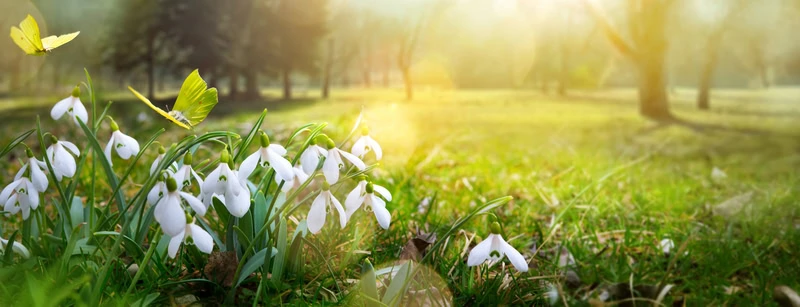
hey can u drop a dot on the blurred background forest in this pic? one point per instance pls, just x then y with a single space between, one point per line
315 46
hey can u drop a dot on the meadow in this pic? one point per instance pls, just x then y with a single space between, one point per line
596 190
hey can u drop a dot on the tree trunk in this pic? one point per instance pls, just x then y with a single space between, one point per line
707 77
251 85
233 93
763 73
653 100
563 74
162 80
287 83
326 78
407 82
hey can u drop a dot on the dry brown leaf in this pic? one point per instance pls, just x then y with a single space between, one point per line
733 205
221 267
416 247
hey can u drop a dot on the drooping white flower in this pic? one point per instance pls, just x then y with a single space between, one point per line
334 163
364 193
666 245
494 248
200 238
309 159
35 170
158 191
154 166
365 144
60 156
186 173
296 181
124 145
169 212
20 195
226 185
71 105
268 155
16 247
319 210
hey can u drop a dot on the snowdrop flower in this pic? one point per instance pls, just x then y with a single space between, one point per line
170 214
186 173
333 162
23 193
310 157
318 212
298 178
36 169
60 156
199 236
364 193
268 155
666 245
71 105
494 248
161 153
125 146
16 247
365 144
157 192
226 184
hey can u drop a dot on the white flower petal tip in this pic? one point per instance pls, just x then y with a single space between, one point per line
124 145
17 248
494 248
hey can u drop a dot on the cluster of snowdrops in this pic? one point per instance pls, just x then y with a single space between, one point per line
182 195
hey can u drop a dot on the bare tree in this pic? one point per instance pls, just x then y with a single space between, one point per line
646 48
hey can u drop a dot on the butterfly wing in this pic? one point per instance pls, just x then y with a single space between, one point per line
52 42
157 109
19 38
27 36
195 100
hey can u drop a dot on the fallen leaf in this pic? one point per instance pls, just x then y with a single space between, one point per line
416 247
221 267
733 205
786 297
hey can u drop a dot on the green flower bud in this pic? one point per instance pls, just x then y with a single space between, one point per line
187 158
188 216
28 152
114 126
364 130
53 139
321 139
161 150
224 156
370 188
172 185
326 186
495 228
264 139
330 144
76 92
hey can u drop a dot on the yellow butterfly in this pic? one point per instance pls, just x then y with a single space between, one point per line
195 101
28 38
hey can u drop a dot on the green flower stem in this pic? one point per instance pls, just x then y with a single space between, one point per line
145 262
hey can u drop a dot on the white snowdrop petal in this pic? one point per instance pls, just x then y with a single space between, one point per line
107 150
383 192
309 160
330 168
376 148
21 172
249 165
336 204
195 203
278 149
316 215
383 215
11 205
172 219
175 243
359 147
33 196
38 178
238 205
354 199
155 193
71 147
281 166
514 256
61 108
155 164
79 111
202 239
6 193
353 159
480 253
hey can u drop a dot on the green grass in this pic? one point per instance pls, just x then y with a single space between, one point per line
586 173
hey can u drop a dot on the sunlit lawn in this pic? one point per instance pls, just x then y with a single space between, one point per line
586 173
